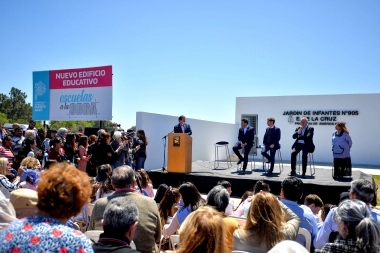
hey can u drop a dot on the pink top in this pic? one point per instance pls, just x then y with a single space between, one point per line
149 190
82 163
6 153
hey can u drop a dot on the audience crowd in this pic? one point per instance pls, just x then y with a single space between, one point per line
57 184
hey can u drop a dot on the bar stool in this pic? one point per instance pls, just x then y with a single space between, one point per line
216 159
279 160
240 167
310 161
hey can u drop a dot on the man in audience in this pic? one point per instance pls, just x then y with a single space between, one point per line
271 143
148 232
314 204
291 192
227 185
361 189
17 140
119 223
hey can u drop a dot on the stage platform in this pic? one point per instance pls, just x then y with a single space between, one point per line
204 176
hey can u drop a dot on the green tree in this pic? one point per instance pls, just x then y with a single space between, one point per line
3 118
15 107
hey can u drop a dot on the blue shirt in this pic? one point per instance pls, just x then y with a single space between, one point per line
308 221
329 225
183 213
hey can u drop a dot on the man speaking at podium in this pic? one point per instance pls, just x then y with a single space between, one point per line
182 127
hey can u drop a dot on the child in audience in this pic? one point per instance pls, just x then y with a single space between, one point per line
146 183
168 205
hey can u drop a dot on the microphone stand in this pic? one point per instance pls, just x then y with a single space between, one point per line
164 140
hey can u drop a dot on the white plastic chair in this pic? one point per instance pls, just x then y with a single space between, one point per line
174 241
93 235
307 235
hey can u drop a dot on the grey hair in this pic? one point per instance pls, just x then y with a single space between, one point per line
62 131
122 177
117 135
363 190
304 119
218 198
120 214
100 131
357 217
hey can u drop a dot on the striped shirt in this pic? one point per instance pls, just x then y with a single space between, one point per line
6 153
6 186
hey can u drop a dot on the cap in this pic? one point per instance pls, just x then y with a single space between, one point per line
24 201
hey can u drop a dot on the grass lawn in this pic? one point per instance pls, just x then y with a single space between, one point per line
377 181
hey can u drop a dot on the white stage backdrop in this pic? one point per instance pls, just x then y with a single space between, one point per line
205 135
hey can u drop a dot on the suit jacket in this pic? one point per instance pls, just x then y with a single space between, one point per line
307 137
248 137
148 230
276 137
178 129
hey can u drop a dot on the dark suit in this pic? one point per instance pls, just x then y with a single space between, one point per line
186 127
274 139
246 138
306 147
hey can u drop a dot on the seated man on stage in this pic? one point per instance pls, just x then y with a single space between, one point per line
245 137
271 143
304 141
182 127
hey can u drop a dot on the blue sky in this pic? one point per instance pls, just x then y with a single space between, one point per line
195 57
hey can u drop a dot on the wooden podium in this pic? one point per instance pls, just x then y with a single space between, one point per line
179 153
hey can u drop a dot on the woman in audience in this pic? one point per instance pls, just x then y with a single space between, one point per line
168 205
265 226
51 134
83 157
31 173
160 193
62 192
203 231
30 133
70 149
245 195
28 149
243 209
56 151
325 211
341 146
6 149
61 134
140 155
104 172
358 231
106 189
104 151
146 183
219 198
192 200
6 187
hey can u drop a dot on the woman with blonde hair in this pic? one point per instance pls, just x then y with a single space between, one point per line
268 222
341 147
6 186
203 231
31 175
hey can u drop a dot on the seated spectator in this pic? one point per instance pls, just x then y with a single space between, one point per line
104 172
6 187
230 208
245 195
106 189
192 200
361 189
148 232
219 198
62 192
243 209
31 175
314 204
146 183
24 202
6 149
325 211
119 223
168 206
7 212
291 192
203 231
288 246
358 231
162 188
264 226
